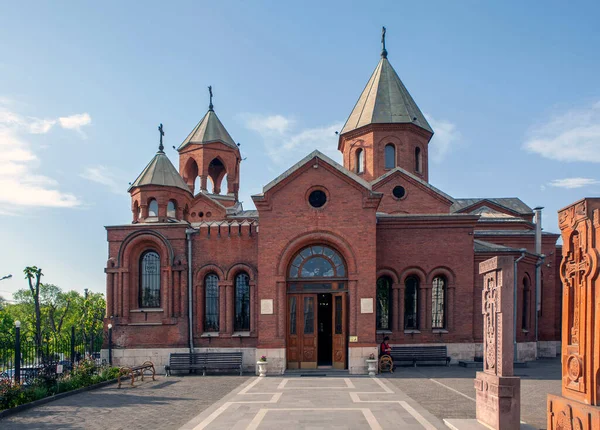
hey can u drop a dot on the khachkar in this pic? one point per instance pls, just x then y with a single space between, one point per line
577 408
498 391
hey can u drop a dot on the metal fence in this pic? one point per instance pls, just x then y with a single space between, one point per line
22 358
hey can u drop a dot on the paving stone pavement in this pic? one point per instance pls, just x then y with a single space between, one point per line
316 403
166 403
447 392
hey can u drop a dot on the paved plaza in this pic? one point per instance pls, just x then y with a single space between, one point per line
411 398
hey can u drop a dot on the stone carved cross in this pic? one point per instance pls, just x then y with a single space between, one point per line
489 310
575 268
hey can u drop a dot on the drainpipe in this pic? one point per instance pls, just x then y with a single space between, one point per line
188 235
538 270
516 278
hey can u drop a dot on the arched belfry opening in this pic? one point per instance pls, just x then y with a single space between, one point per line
190 174
216 171
317 296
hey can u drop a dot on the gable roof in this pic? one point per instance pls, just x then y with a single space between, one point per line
385 100
483 246
415 178
316 154
513 204
209 129
160 171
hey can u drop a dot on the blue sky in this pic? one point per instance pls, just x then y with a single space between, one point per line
511 89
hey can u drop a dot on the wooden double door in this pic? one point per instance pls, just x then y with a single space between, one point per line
316 330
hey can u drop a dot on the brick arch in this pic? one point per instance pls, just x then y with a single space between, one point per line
205 270
241 267
389 139
391 273
313 238
145 239
413 271
444 271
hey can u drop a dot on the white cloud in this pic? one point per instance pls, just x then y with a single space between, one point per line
20 185
268 124
285 144
445 138
571 183
573 135
75 122
104 176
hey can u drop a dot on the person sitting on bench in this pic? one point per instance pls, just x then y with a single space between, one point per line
385 359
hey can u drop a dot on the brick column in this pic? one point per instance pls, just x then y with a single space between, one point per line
125 293
109 294
354 310
230 309
222 307
395 307
422 307
281 308
203 180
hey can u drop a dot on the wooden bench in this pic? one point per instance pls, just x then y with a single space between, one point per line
224 361
134 371
420 353
186 361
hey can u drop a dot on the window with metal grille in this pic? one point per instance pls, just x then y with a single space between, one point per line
411 304
211 303
242 303
438 303
384 290
149 296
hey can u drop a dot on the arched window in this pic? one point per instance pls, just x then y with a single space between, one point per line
317 262
360 160
153 208
418 164
526 291
390 156
171 209
242 303
384 301
438 303
149 296
211 303
411 305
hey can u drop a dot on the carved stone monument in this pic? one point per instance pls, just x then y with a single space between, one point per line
577 408
498 391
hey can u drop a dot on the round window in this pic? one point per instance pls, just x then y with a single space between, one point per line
399 192
317 198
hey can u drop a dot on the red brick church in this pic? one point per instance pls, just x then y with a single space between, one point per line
334 258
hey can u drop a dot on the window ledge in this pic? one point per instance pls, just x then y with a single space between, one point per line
144 323
241 334
525 331
412 331
384 332
210 334
146 310
440 330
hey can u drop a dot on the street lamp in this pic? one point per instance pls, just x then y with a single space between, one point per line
17 351
5 277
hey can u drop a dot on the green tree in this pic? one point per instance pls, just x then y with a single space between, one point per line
32 273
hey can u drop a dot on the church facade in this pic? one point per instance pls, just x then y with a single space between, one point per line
334 258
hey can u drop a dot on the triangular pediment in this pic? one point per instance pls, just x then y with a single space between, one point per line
424 185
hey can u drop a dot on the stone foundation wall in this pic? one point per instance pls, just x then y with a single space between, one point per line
526 351
548 348
357 359
276 360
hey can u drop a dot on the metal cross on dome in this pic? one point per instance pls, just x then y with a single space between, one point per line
210 106
162 133
383 50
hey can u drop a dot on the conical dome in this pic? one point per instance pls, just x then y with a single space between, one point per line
160 171
385 100
209 129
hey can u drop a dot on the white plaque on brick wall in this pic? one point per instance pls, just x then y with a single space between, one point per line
266 306
366 306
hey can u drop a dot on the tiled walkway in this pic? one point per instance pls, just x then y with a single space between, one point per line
315 403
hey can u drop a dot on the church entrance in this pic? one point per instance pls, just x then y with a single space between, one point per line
317 310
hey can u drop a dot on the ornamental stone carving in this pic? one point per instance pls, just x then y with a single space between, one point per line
577 408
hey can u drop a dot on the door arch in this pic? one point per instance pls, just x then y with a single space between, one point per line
316 308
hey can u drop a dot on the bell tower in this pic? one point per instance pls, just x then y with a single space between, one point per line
386 129
211 154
